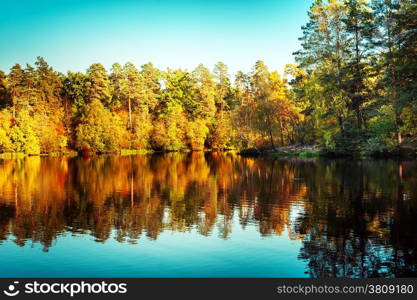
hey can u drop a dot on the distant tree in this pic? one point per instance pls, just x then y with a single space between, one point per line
99 85
360 28
4 91
6 145
151 92
100 130
179 87
203 93
17 88
405 57
48 86
23 134
75 92
223 87
116 80
169 132
131 87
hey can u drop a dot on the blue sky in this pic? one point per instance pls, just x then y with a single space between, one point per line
71 35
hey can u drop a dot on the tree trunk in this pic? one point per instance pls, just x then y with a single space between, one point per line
272 139
130 114
398 121
358 99
397 128
358 114
281 130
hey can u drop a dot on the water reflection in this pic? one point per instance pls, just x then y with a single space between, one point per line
354 218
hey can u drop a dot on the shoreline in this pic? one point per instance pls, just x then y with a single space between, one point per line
315 151
302 151
124 152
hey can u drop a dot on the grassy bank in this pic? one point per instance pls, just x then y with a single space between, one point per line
288 151
314 151
71 153
135 152
305 154
11 155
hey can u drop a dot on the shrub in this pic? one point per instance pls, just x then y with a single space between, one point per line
100 130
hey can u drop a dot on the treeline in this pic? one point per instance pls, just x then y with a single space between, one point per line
353 90
134 108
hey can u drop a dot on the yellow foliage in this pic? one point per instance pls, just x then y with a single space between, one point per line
196 134
169 132
101 131
142 126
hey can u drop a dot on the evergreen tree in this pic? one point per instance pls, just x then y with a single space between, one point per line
99 85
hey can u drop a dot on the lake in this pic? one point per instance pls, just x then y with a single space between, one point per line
207 215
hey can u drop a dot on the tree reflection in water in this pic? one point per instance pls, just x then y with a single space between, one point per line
355 218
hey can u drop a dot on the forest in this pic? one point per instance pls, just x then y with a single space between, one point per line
353 89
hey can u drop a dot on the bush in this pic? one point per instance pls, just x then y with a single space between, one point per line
381 132
349 141
5 142
196 134
51 133
221 133
101 131
23 135
142 128
168 133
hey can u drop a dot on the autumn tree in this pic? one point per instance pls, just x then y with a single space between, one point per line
4 91
99 85
151 92
100 130
176 103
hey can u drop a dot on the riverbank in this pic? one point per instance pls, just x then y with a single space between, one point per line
124 152
317 151
304 151
294 150
8 155
73 153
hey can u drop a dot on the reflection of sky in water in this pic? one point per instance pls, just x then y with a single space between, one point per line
173 254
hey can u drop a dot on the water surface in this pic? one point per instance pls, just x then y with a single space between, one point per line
207 215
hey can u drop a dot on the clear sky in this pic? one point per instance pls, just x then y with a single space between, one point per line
71 35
